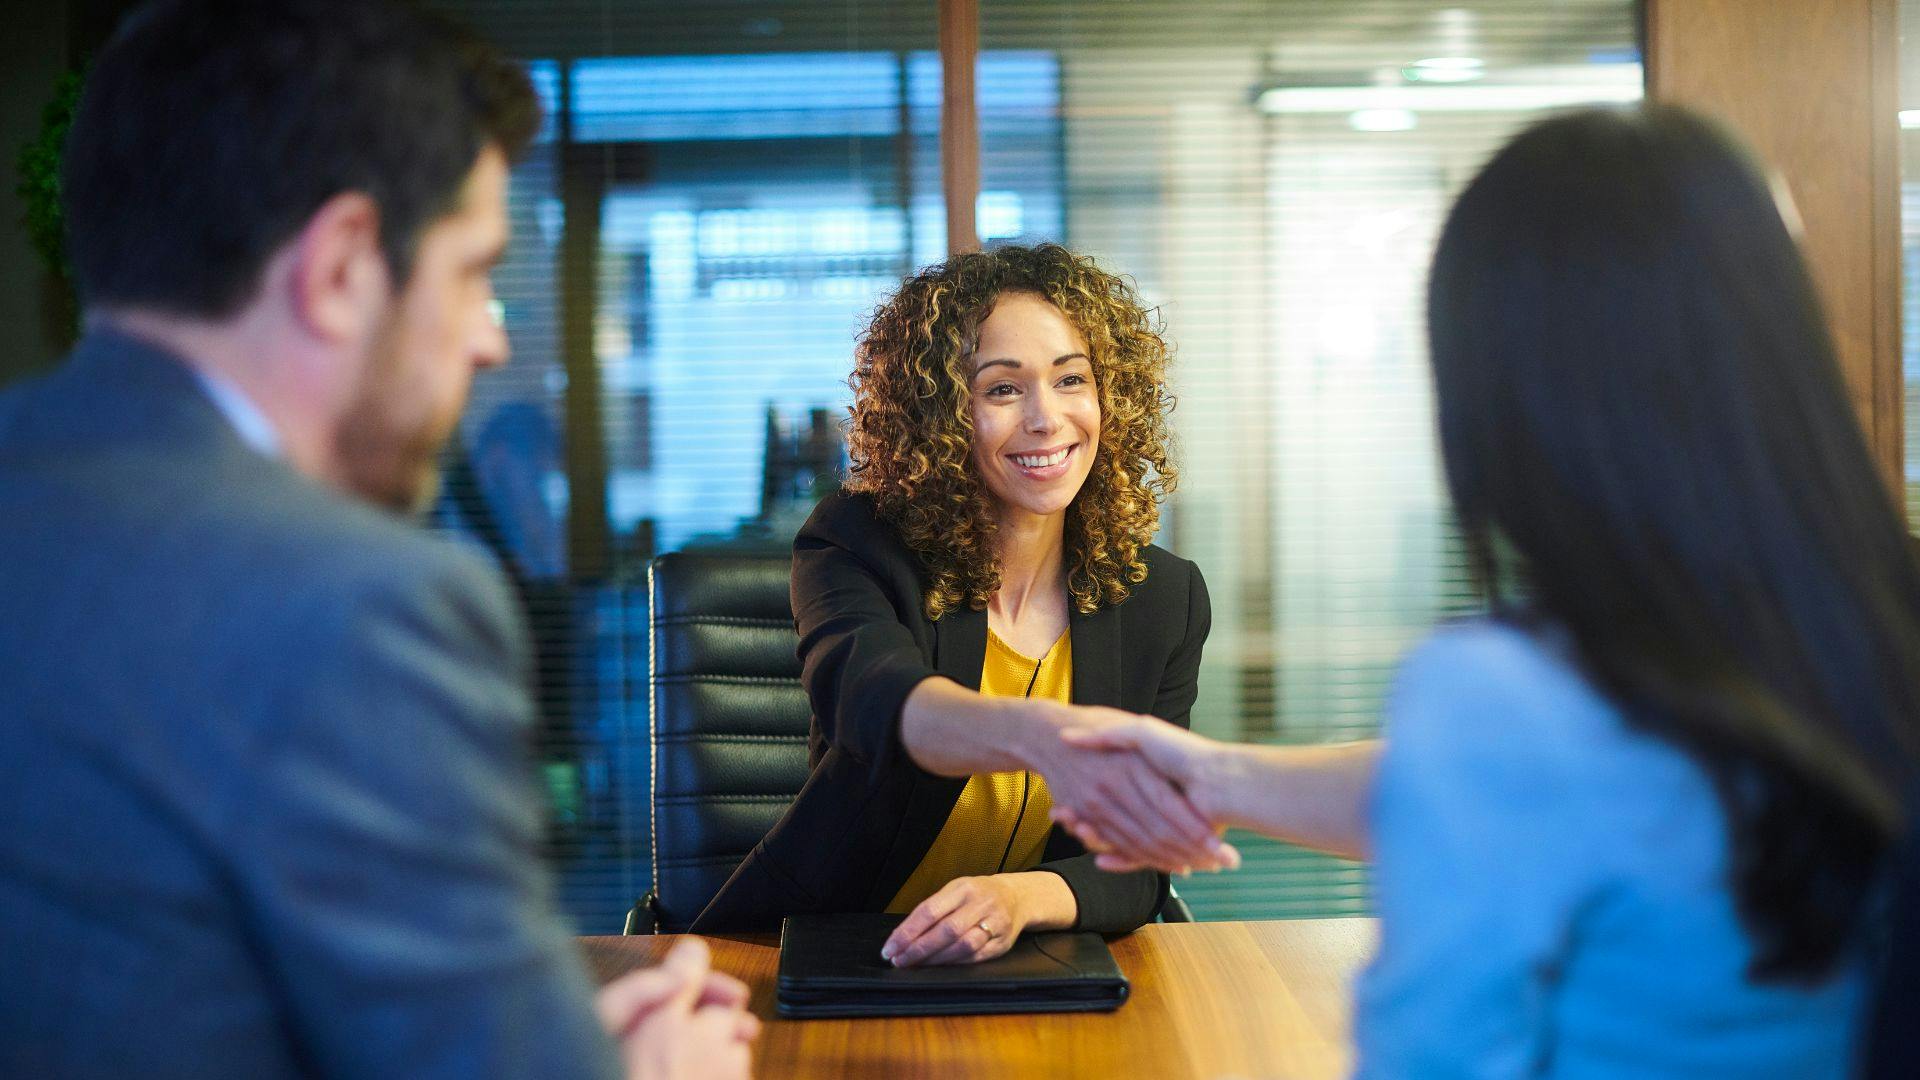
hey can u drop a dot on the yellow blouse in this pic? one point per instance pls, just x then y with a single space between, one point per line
1000 823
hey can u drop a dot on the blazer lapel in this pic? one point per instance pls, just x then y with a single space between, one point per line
960 646
960 651
1096 656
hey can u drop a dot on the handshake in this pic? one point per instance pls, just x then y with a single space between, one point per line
1139 792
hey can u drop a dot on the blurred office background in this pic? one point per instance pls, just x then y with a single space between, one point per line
725 188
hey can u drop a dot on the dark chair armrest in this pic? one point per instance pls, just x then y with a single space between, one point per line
1175 909
644 917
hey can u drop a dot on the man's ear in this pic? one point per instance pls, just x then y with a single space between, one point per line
340 284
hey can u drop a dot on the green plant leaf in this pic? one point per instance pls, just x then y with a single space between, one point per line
39 168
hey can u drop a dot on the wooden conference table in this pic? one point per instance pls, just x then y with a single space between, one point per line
1231 999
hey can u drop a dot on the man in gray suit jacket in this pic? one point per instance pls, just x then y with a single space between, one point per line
266 807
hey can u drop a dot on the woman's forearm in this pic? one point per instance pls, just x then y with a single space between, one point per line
1314 796
1046 903
950 730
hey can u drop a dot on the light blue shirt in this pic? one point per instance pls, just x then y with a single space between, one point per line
248 421
1553 892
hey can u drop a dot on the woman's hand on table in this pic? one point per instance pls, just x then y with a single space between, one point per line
680 1019
977 918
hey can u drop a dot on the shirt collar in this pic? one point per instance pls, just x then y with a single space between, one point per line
248 421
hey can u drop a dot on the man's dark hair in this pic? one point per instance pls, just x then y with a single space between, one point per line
210 131
1642 417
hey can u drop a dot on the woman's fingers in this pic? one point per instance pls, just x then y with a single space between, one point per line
980 923
1088 836
1193 832
1117 815
937 938
1166 851
921 920
1124 858
1101 794
1107 781
1132 802
971 948
973 930
1149 819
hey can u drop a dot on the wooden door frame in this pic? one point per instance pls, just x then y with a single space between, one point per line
1813 85
959 121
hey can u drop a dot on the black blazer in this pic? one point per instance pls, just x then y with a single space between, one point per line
868 814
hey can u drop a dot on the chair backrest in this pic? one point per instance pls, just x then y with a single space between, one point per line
727 723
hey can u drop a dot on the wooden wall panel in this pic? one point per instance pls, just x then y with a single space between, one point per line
1813 85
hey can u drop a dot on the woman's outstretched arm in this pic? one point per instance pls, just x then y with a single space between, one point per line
948 729
1315 796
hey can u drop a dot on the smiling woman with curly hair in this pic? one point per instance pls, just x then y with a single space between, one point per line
986 581
911 440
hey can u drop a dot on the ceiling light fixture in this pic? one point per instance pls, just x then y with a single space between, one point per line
1452 99
1383 120
1445 69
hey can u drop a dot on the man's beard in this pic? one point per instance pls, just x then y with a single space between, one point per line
380 456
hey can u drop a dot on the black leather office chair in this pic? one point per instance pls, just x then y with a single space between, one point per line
726 728
727 724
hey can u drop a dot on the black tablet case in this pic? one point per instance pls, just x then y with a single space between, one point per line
830 966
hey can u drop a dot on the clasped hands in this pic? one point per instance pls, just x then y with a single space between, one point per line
1132 789
680 1020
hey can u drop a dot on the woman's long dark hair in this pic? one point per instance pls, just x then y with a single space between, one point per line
1643 421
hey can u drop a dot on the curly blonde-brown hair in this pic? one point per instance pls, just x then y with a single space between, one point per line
911 434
